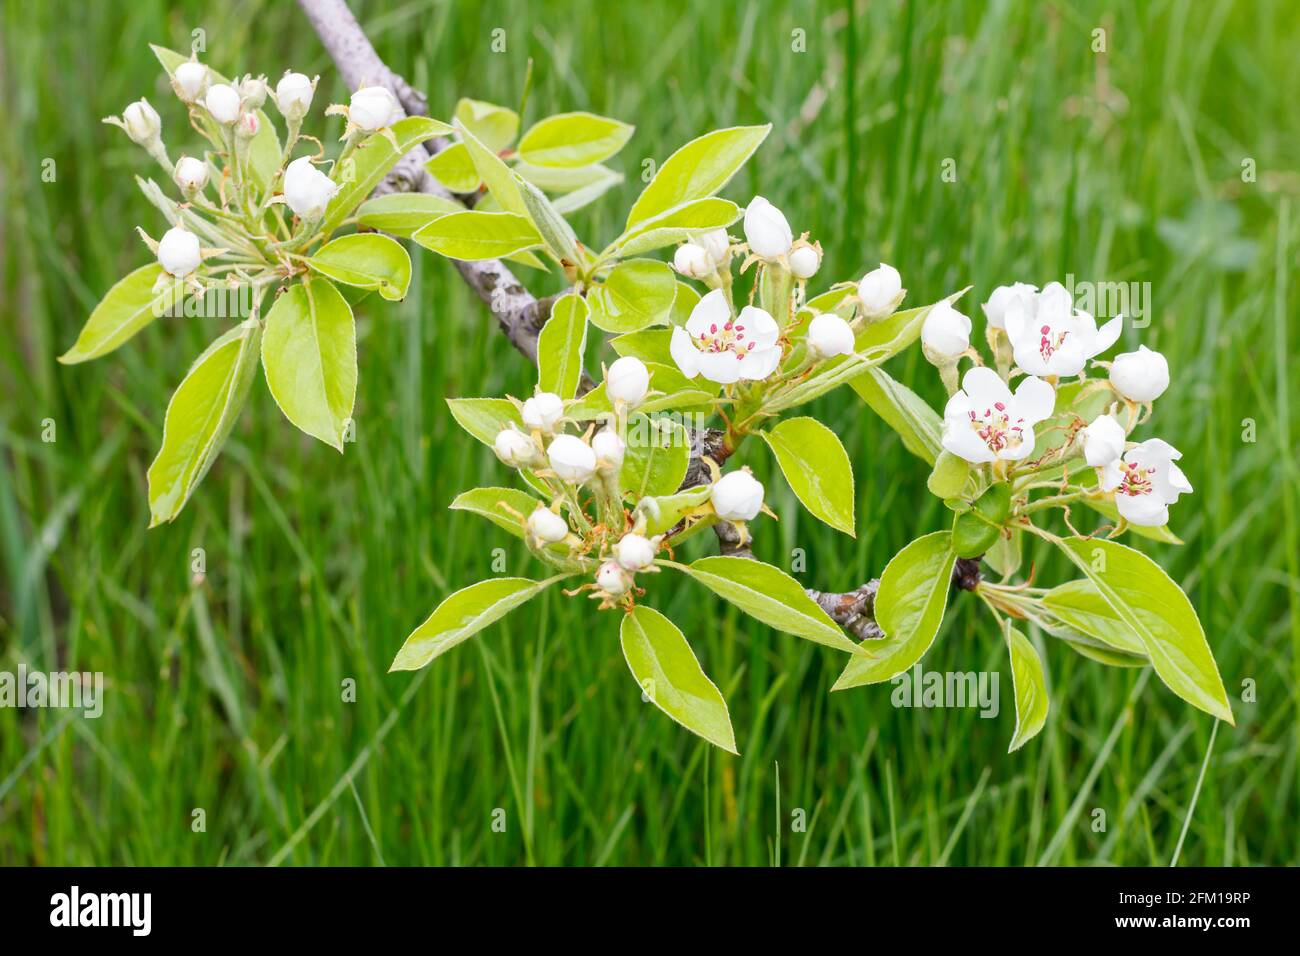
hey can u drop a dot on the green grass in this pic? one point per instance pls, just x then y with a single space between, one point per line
224 691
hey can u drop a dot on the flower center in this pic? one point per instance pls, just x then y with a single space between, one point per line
1049 343
729 338
1135 480
996 429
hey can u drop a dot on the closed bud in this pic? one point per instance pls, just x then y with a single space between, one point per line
191 175
1020 294
880 291
627 381
372 108
609 448
222 102
945 334
546 526
307 190
542 412
516 449
766 230
1103 441
253 92
634 552
805 260
612 579
716 243
829 336
141 122
571 458
190 81
737 496
693 261
178 252
293 95
1140 376
247 125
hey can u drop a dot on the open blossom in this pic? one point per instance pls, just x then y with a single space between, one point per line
737 496
723 349
945 334
766 229
995 309
571 458
178 252
546 526
1050 337
1146 482
307 190
372 108
880 291
627 381
984 422
542 412
1103 441
829 336
1140 376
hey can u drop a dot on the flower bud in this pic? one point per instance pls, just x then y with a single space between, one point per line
766 230
247 125
542 412
515 449
612 579
571 458
1002 298
1140 376
546 526
178 252
634 552
693 261
880 291
141 122
372 108
190 80
805 261
945 334
1103 441
627 381
307 190
191 175
222 102
737 496
716 243
293 95
829 336
609 448
253 92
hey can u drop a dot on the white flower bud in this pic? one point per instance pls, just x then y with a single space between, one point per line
307 190
609 448
178 252
612 579
829 336
293 95
627 381
542 412
805 261
571 458
546 526
253 92
693 261
1103 441
1001 299
190 80
880 291
634 552
515 449
222 102
372 108
1140 376
141 122
247 125
716 244
945 334
191 175
737 496
766 229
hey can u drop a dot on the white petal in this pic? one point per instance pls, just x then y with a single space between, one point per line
1054 302
760 363
1023 450
760 328
1070 358
1108 335
684 353
1019 319
720 367
1035 400
1029 358
1148 511
985 387
960 439
1111 477
710 310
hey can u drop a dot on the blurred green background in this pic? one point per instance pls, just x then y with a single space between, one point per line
224 693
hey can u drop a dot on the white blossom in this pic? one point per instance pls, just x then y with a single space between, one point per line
766 229
542 412
1050 337
1146 482
307 190
571 458
627 380
1140 376
613 579
372 108
223 103
1103 441
984 422
609 448
723 349
995 309
829 336
737 496
178 252
880 291
693 261
546 526
805 260
293 95
141 122
190 80
635 552
191 175
945 333
716 243
515 448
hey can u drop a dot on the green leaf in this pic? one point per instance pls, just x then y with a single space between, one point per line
683 305
484 417
462 615
366 261
635 294
671 678
126 309
1080 605
676 225
555 231
662 512
496 175
977 530
649 345
585 195
309 354
494 126
1148 601
371 161
916 423
479 235
949 475
491 503
560 346
554 179
455 169
771 596
1030 687
698 169
401 214
817 467
658 454
573 140
909 608
200 415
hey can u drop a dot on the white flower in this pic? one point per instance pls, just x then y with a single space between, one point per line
724 349
995 309
766 229
829 336
627 381
805 261
1050 337
191 175
546 526
984 422
635 552
1102 441
293 95
1140 376
307 190
178 252
612 579
609 448
716 243
880 291
372 108
693 261
737 496
571 458
141 122
222 102
515 448
542 412
189 80
945 334
1146 482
